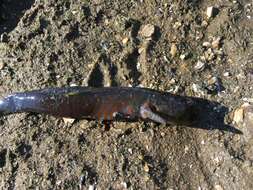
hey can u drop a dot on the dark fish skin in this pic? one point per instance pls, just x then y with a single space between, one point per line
106 103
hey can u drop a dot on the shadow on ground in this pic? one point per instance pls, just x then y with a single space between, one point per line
10 13
210 115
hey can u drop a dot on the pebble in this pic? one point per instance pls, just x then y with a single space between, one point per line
91 187
238 116
183 56
240 113
216 43
147 30
1 65
209 55
243 117
68 120
4 37
226 74
206 44
177 25
73 84
211 11
124 184
173 50
200 66
125 40
218 187
213 80
198 90
146 167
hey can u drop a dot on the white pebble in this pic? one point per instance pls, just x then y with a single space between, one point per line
199 66
210 11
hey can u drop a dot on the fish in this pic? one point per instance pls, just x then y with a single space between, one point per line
128 104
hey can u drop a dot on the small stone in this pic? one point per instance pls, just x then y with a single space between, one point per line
204 23
125 40
146 178
218 187
140 157
216 43
177 25
173 50
183 56
213 80
197 89
211 12
91 187
147 31
186 149
226 74
124 184
68 120
243 118
200 66
73 84
206 44
2 64
4 38
238 115
209 54
248 121
146 167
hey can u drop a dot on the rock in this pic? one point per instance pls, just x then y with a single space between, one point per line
206 44
200 66
249 116
91 187
146 167
68 120
209 54
2 64
216 43
198 90
226 74
244 113
73 84
125 40
184 56
173 50
4 37
177 25
218 187
211 12
147 31
214 86
243 118
213 80
238 116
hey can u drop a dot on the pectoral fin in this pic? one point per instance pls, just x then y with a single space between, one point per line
147 113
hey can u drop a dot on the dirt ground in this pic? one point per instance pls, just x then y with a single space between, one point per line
165 45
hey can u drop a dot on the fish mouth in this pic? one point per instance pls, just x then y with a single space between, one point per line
152 113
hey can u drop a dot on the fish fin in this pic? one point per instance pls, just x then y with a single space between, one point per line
106 125
147 113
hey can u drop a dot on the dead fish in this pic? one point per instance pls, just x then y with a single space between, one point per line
103 104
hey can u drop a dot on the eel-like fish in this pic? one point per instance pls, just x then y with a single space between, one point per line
106 104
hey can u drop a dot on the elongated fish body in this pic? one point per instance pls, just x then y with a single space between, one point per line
108 103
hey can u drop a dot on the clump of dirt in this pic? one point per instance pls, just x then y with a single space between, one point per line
171 46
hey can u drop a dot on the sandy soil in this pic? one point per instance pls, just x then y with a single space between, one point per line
164 45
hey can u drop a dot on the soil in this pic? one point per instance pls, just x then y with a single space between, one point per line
102 43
